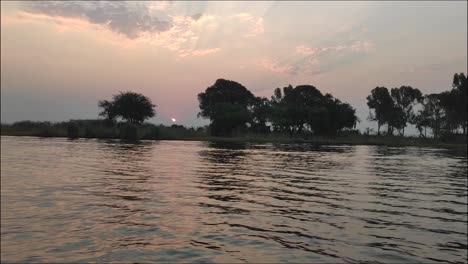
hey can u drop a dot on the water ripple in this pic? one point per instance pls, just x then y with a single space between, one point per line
176 201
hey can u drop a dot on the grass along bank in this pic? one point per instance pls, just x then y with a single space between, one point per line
146 131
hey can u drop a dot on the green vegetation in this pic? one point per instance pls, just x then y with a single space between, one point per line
130 106
101 129
305 110
226 103
293 114
444 113
295 111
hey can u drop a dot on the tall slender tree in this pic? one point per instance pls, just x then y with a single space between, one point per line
381 102
404 98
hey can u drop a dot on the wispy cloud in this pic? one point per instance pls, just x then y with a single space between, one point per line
305 50
308 60
276 66
200 52
197 19
129 19
124 23
159 5
255 24
309 67
245 17
256 29
162 24
357 46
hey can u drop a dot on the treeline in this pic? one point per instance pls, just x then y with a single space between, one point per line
293 110
301 111
443 113
233 110
98 128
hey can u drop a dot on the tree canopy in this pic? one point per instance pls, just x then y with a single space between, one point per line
381 102
226 104
229 106
444 113
130 106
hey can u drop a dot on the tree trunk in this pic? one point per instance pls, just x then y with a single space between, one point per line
389 130
299 129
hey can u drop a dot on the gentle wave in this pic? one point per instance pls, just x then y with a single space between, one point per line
179 201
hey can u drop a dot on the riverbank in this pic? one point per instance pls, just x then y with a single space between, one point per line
99 130
355 140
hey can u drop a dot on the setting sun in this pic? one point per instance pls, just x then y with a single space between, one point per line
306 131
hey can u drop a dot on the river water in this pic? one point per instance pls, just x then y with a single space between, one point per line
188 201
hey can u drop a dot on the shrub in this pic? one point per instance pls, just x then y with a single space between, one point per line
72 130
128 131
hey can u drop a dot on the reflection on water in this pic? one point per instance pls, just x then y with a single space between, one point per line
175 201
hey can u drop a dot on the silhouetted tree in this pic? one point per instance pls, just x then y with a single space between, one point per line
342 115
395 119
130 106
226 104
292 109
260 112
445 113
422 120
305 107
279 116
381 102
404 98
433 113
461 88
454 103
108 110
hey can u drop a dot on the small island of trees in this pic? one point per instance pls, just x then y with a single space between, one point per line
301 112
293 111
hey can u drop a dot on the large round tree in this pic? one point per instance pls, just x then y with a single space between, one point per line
130 106
225 103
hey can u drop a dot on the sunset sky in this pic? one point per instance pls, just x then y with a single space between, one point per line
59 58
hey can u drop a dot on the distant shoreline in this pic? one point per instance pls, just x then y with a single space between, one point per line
353 140
98 129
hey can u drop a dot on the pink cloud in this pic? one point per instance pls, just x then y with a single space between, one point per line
362 46
180 38
256 29
311 66
314 61
244 17
256 24
195 20
159 5
275 66
204 52
357 46
303 49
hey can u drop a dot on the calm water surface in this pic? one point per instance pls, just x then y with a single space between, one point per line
175 201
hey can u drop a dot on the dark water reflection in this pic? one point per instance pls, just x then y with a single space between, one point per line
174 201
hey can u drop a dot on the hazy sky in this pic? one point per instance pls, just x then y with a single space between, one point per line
59 58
